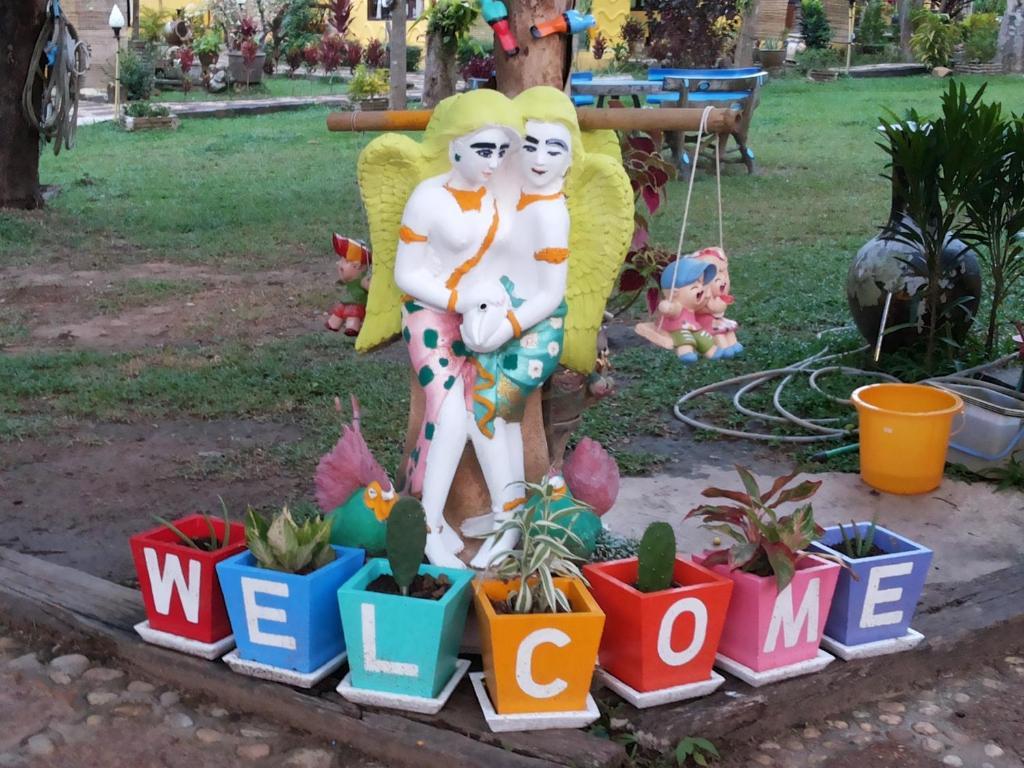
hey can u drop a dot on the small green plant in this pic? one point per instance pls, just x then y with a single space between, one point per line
771 44
656 558
816 58
207 545
695 750
207 44
452 20
620 52
815 26
765 543
146 109
406 540
611 546
981 35
367 83
284 545
413 54
857 544
136 75
543 554
934 39
151 24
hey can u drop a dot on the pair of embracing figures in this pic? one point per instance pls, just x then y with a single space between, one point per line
488 280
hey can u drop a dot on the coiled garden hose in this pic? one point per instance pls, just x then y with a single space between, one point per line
59 60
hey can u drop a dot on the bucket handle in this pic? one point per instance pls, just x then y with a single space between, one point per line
963 423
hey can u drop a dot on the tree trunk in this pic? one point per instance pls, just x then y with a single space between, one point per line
1011 37
440 75
907 8
20 24
743 56
134 10
539 62
397 54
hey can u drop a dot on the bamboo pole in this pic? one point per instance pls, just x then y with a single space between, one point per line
591 119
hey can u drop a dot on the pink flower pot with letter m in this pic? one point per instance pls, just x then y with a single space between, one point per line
767 629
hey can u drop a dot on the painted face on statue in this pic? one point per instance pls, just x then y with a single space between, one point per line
349 270
477 156
691 296
545 155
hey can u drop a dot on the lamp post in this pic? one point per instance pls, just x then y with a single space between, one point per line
116 22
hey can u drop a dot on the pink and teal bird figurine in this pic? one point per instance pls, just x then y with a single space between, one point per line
355 490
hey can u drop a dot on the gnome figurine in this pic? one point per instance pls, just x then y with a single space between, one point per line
354 278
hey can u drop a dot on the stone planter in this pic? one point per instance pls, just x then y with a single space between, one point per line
876 596
823 75
240 73
978 69
179 584
402 647
287 626
376 104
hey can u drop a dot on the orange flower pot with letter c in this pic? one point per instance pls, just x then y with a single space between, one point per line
664 639
538 662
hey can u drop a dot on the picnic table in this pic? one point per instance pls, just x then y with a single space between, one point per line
617 88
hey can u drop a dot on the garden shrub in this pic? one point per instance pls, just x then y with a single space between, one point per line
934 38
871 30
691 33
814 24
137 76
981 36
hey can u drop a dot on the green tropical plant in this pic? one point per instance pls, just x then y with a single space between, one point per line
452 20
981 36
136 75
543 554
207 44
934 39
656 558
856 544
406 540
620 52
816 58
368 83
285 545
151 24
771 44
814 24
872 27
413 54
213 542
146 109
765 542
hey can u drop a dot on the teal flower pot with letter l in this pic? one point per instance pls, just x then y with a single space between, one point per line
399 644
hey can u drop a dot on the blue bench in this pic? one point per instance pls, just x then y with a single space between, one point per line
581 99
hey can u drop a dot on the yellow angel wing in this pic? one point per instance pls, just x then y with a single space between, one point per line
601 211
389 169
604 143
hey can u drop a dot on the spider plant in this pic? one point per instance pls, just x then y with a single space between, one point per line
857 544
215 542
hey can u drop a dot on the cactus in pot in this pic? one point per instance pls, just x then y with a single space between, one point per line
656 558
406 540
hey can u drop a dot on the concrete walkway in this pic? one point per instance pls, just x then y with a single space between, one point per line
972 529
100 112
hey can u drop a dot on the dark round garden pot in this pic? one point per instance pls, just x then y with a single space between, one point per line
772 59
240 73
886 264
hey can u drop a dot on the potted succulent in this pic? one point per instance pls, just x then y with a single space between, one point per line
665 618
176 565
877 593
540 628
245 59
403 622
280 596
772 54
368 88
781 593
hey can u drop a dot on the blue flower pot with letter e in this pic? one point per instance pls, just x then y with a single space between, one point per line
880 603
287 620
401 644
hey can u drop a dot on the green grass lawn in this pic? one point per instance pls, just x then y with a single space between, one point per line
270 87
264 192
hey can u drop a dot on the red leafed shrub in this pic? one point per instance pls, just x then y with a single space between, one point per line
341 12
247 28
691 33
353 54
249 49
186 58
331 51
599 46
293 57
311 55
375 54
481 67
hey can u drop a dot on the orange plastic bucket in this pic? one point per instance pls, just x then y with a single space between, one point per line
904 434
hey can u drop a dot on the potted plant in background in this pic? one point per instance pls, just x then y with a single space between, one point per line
207 49
772 54
665 618
368 89
245 59
878 591
177 568
403 622
144 116
281 595
633 33
781 593
540 629
478 71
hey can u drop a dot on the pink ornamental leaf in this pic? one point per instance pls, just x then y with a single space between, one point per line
653 298
641 237
651 198
348 467
592 475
